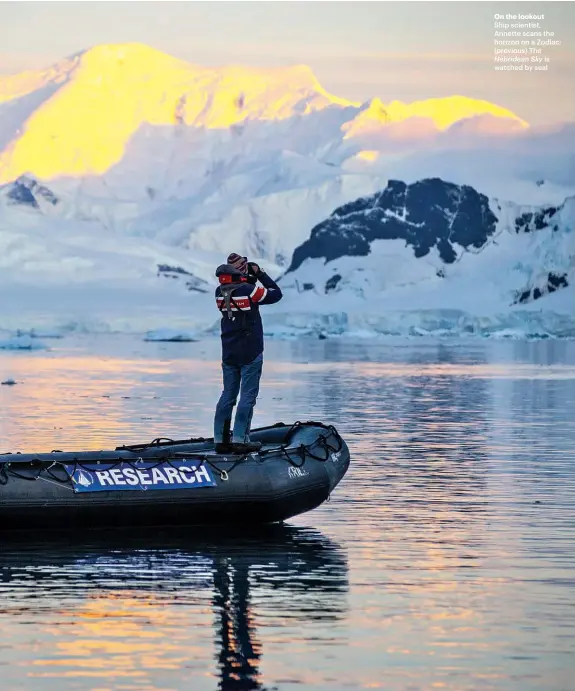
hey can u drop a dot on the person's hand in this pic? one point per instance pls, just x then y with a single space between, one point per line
254 269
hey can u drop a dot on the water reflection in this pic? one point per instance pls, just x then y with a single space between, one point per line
445 433
456 516
118 606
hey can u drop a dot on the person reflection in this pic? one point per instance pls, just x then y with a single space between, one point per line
296 566
240 651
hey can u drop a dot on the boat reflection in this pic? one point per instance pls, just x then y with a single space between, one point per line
117 591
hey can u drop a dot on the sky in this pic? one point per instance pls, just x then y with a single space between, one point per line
403 51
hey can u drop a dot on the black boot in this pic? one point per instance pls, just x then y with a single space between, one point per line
225 445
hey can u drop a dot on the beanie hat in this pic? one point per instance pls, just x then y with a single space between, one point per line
238 262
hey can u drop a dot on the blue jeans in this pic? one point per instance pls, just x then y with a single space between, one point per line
248 378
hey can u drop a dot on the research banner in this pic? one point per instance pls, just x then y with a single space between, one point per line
142 475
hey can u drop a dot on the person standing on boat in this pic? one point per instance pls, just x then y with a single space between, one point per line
244 286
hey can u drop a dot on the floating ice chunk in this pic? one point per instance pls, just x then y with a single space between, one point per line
513 334
285 333
40 333
171 335
22 343
361 333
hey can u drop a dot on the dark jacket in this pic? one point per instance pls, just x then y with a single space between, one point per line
243 334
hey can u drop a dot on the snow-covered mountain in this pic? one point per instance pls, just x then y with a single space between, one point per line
79 116
445 251
126 172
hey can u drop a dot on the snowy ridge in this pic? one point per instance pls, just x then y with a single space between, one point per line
114 90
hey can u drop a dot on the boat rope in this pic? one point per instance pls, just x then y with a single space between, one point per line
305 450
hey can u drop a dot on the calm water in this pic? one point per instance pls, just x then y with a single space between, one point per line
445 560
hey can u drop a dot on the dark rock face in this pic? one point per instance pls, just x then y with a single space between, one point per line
554 282
177 273
20 194
332 282
429 213
532 221
27 191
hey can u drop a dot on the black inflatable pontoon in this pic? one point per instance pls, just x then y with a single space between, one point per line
169 482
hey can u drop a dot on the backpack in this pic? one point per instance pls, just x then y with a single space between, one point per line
227 292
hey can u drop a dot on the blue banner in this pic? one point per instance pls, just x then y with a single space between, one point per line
139 475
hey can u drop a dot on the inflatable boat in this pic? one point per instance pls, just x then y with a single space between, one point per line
168 482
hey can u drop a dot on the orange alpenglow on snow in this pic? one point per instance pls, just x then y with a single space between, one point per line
442 112
76 118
